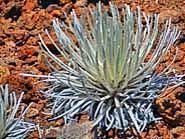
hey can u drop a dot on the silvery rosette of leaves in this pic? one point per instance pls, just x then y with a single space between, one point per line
10 125
107 74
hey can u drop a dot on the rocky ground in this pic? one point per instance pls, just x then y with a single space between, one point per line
22 20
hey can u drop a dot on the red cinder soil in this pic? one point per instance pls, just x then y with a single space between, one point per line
22 21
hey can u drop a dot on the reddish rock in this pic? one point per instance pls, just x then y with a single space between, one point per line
18 34
35 17
182 47
180 56
62 2
32 41
169 13
20 53
29 5
80 3
56 13
26 51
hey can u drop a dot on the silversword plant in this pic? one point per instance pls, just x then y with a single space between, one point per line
108 74
10 125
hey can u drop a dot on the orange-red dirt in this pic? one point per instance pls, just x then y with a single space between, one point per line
22 21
